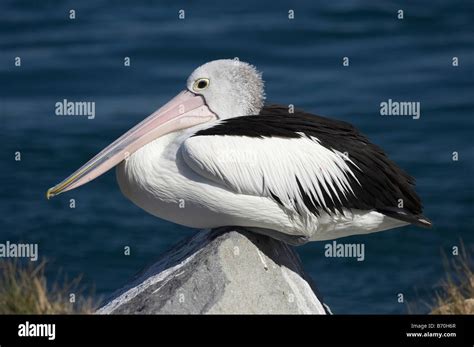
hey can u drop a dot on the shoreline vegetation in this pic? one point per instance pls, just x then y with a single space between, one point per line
456 295
24 289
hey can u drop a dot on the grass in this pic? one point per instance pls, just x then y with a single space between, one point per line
456 295
24 290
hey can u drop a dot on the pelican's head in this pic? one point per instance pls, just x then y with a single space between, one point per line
231 88
219 89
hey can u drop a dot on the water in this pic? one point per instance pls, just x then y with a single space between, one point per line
82 59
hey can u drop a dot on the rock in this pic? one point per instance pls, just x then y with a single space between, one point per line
221 271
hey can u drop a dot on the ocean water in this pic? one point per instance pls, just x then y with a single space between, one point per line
301 60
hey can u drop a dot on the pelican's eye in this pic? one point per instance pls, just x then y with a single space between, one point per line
201 84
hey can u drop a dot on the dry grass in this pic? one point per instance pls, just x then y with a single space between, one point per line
24 290
457 289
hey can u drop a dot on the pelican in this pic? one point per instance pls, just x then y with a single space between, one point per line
216 156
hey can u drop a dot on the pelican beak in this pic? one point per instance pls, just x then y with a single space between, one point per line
183 111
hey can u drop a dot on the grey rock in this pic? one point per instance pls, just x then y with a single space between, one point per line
221 271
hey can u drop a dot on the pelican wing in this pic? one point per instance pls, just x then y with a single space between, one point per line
304 162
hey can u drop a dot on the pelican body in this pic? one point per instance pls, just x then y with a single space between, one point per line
216 156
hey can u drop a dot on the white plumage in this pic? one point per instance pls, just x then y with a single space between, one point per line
266 166
210 182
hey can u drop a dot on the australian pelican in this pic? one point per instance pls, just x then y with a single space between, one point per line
215 156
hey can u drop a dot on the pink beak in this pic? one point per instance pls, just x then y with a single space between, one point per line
183 111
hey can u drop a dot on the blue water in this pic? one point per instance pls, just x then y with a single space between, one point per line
82 59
